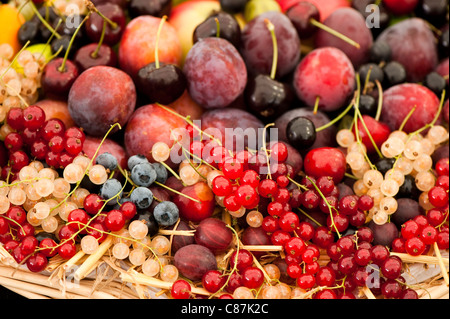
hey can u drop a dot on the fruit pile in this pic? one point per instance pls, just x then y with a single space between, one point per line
232 149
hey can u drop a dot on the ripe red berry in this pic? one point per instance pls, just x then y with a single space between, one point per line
77 219
295 247
115 220
289 221
428 235
232 168
244 259
213 280
438 197
267 188
410 229
250 177
128 210
13 141
37 262
279 152
14 118
92 203
181 289
415 246
67 250
442 167
306 281
252 277
33 117
47 246
221 186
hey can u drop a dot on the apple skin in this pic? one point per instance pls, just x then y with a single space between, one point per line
56 109
191 210
186 16
137 46
91 144
150 124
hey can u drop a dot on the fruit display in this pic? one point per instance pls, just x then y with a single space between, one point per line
232 149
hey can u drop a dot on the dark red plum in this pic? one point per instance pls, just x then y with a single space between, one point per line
352 24
257 44
193 261
100 97
325 137
94 24
216 73
234 127
326 74
399 100
213 234
413 45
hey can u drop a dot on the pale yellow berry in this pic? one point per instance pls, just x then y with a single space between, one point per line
169 273
151 267
345 138
389 205
438 134
392 147
423 163
389 187
160 152
425 181
89 244
373 179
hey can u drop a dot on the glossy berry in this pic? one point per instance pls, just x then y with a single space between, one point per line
213 280
301 133
115 220
180 289
252 277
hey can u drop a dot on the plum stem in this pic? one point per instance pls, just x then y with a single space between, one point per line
337 34
62 68
44 22
271 29
100 42
158 35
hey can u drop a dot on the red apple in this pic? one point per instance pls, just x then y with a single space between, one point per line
137 47
186 16
191 210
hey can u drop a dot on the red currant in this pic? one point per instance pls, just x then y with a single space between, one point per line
267 188
415 246
289 221
295 246
13 141
180 289
252 277
221 186
438 197
233 169
128 210
14 118
279 152
306 281
51 128
442 167
250 177
67 250
115 220
213 280
77 219
244 259
37 262
33 117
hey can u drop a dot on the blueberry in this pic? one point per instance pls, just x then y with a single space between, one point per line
136 159
109 189
142 197
143 174
107 160
166 213
161 172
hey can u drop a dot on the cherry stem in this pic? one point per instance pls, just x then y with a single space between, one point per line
402 126
366 83
337 34
91 7
316 105
380 100
217 27
271 29
44 22
158 34
338 118
62 68
100 42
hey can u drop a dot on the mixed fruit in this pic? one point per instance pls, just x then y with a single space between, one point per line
129 123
